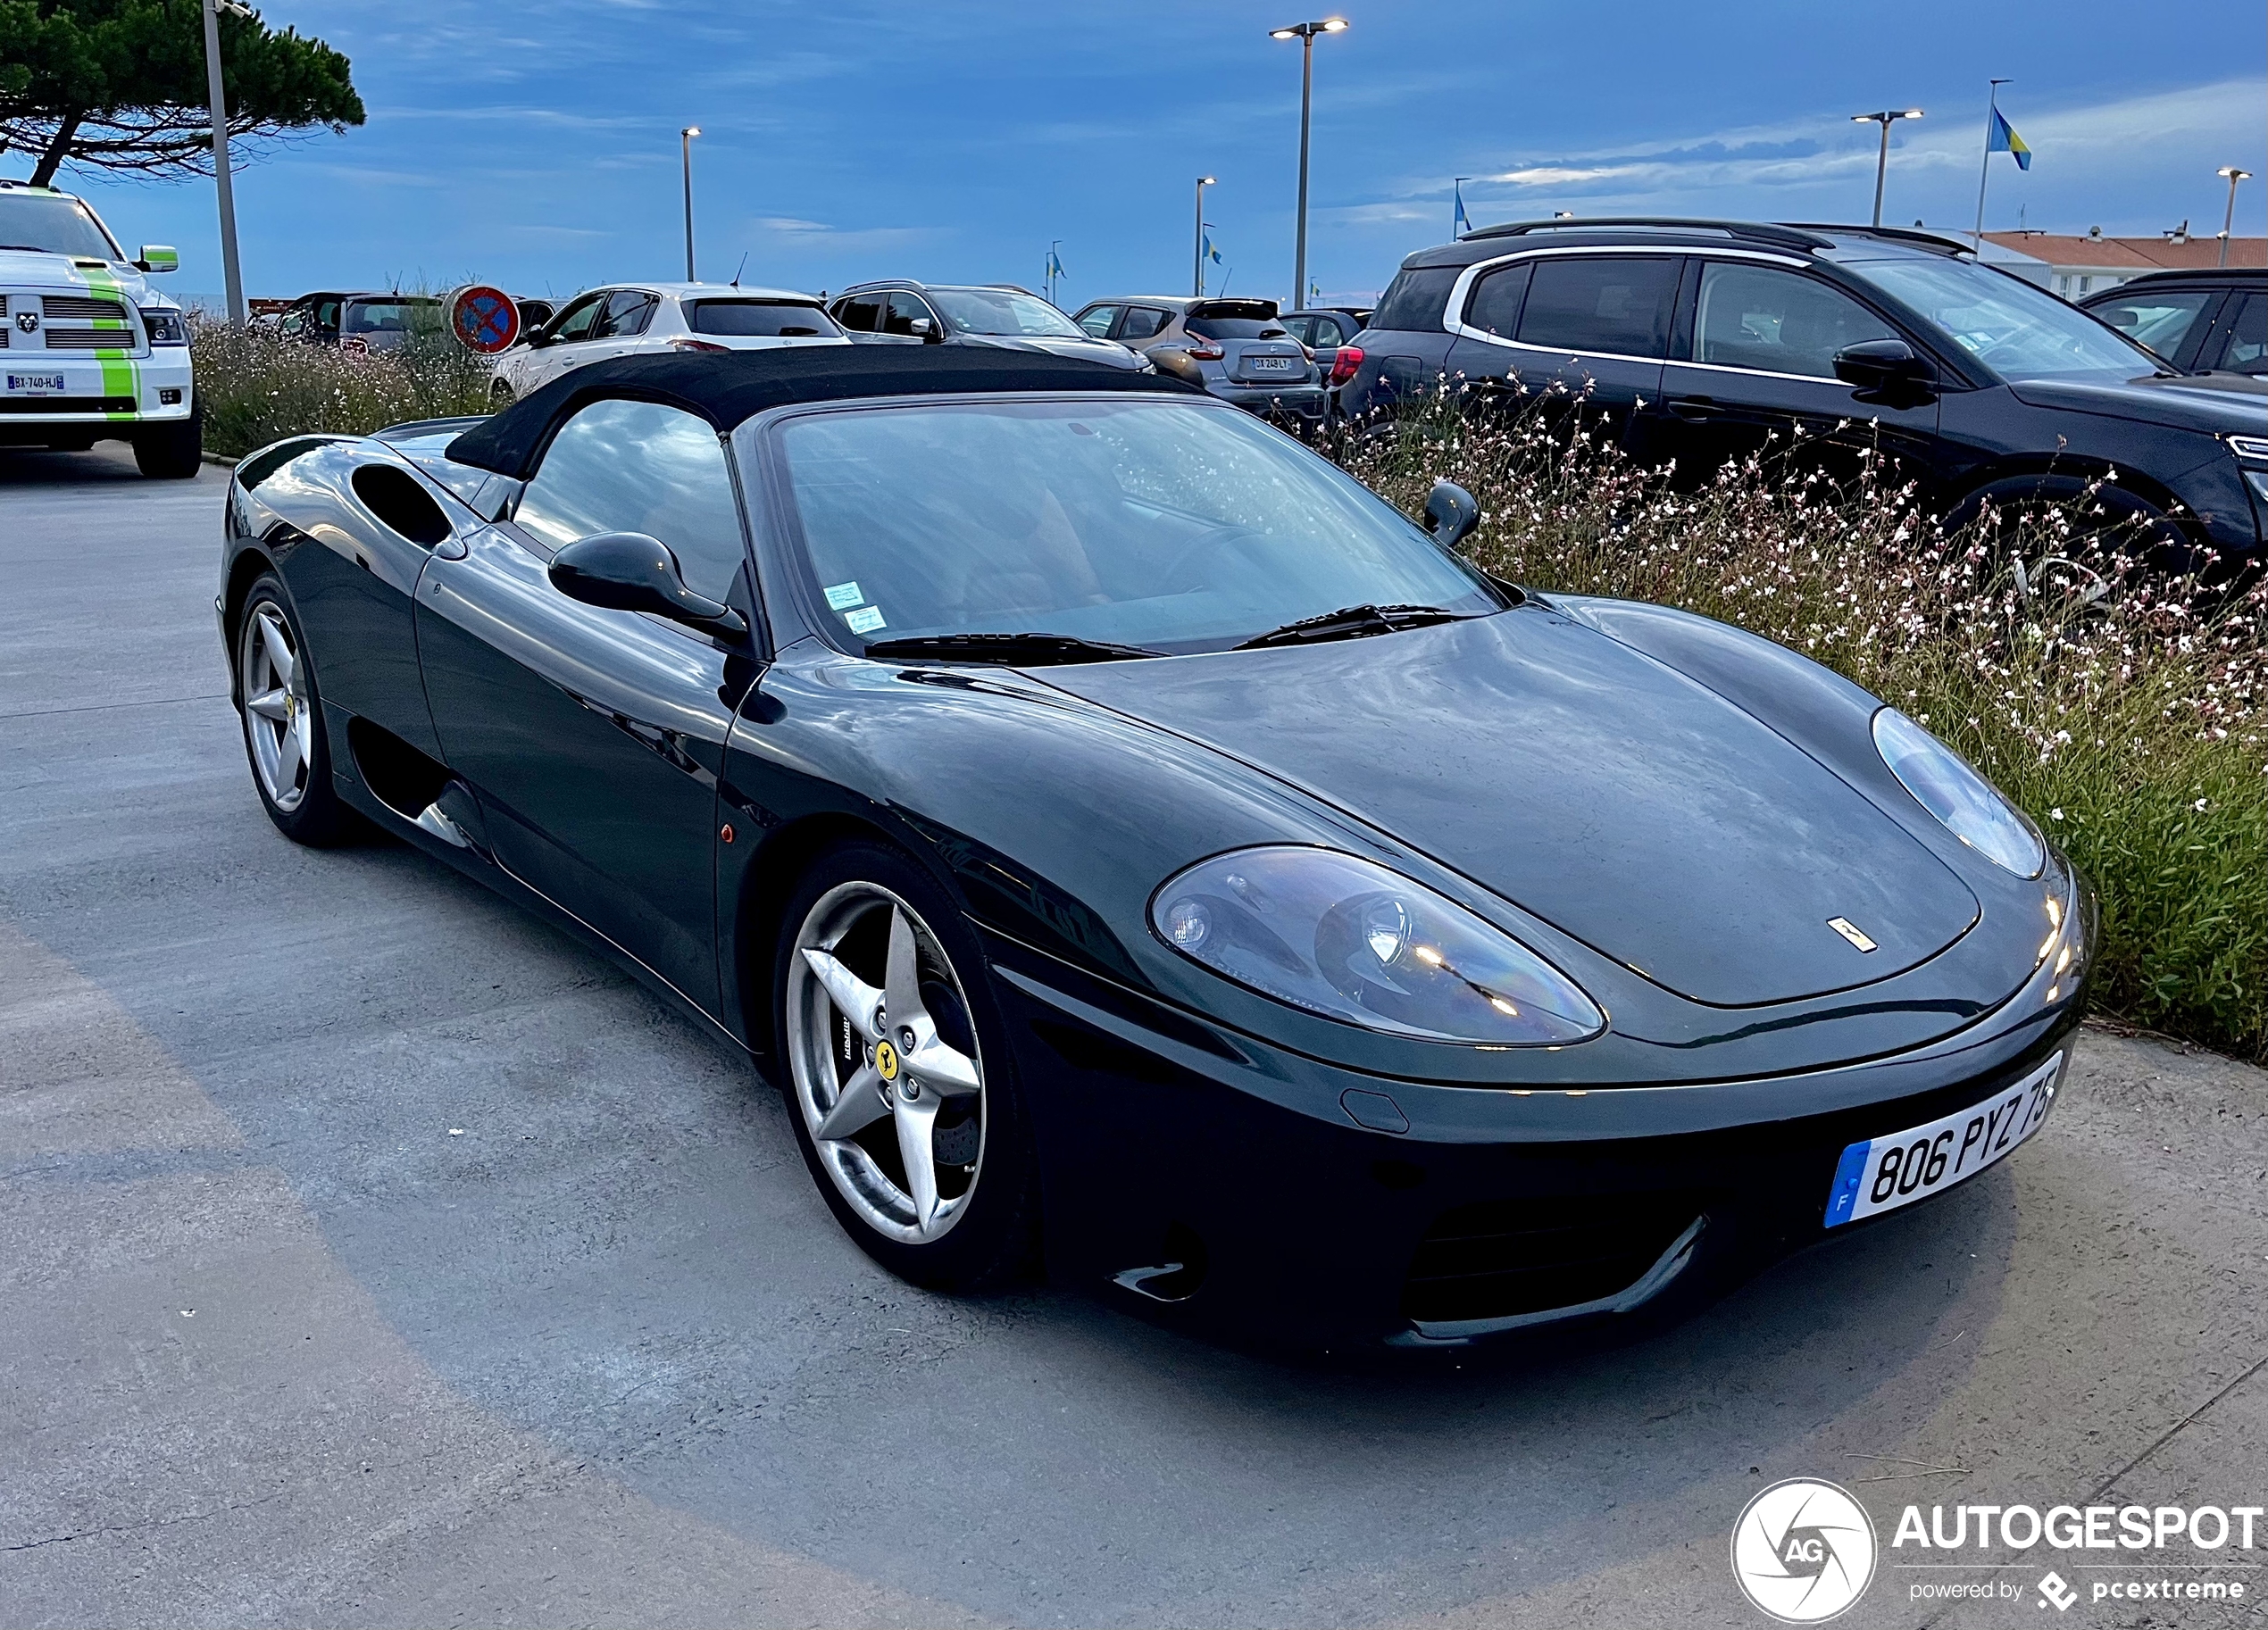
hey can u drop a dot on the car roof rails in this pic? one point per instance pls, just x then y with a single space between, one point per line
1936 242
1790 237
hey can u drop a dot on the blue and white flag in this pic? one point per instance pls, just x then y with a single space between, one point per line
1463 222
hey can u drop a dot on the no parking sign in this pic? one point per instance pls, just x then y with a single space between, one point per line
483 319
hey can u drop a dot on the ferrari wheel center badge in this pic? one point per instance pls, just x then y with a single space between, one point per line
886 1060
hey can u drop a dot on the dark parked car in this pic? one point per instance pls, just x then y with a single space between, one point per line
1112 824
361 322
1239 350
1328 334
995 316
2199 321
1697 341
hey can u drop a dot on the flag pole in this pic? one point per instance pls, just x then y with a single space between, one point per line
1984 172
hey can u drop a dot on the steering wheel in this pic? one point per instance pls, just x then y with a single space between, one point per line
1226 537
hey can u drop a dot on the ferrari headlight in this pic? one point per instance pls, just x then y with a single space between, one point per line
1942 783
1350 940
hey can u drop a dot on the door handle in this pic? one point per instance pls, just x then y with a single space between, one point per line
1694 409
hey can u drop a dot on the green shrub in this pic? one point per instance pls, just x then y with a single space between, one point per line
257 386
2118 702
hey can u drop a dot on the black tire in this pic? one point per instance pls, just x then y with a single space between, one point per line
172 452
315 816
995 1240
501 395
2115 522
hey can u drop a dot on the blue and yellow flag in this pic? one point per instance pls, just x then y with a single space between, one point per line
1211 251
1055 265
2005 139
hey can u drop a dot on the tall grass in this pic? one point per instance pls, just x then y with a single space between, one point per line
257 386
2118 702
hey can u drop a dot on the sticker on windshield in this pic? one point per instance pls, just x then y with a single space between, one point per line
865 620
842 596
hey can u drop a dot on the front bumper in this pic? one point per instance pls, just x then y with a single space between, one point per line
109 395
1205 1177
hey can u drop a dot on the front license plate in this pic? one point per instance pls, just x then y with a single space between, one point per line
1885 1173
1269 364
35 385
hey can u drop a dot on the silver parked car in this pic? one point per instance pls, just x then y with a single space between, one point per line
1001 316
1239 350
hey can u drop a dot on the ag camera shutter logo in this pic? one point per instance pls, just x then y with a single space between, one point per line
1803 1550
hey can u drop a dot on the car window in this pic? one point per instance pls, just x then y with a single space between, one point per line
860 313
1155 523
52 225
1497 298
1415 300
326 315
1617 305
1330 331
761 318
1143 322
1096 319
1002 311
575 322
640 466
295 323
904 310
628 313
2247 351
2016 328
2160 319
1780 321
1301 328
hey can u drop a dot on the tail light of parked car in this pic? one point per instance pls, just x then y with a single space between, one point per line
696 344
1344 366
1206 350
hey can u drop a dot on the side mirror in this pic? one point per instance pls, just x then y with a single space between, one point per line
158 259
1883 365
921 326
628 571
1452 513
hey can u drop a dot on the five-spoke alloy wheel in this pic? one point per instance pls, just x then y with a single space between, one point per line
905 1113
283 724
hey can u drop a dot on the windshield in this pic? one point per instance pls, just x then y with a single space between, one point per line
54 226
2018 331
1001 311
390 316
1159 524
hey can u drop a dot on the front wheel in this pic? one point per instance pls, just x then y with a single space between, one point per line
171 452
501 395
2021 516
897 1063
284 737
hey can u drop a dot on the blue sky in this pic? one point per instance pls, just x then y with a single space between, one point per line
536 145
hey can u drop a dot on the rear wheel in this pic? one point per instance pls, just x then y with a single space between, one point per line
501 394
898 1067
2027 516
284 737
171 452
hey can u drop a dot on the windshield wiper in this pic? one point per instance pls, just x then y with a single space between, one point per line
1015 650
1355 622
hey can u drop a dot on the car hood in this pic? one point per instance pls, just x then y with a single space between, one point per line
2190 403
20 268
1590 786
1106 351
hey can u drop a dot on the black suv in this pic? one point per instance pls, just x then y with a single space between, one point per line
2199 321
1697 340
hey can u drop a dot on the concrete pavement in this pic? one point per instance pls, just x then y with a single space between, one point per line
371 1254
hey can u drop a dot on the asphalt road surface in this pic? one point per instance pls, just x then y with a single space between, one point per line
372 1254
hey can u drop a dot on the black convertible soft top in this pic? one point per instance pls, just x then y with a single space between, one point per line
726 388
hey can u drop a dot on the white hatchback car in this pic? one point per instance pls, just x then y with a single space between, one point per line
623 320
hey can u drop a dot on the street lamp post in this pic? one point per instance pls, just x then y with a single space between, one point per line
685 140
231 273
2229 222
1196 252
1885 119
1304 33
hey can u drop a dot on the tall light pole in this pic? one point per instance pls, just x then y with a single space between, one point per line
1196 249
1304 33
685 140
2229 222
231 274
1882 161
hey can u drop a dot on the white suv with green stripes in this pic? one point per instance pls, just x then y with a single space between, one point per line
88 351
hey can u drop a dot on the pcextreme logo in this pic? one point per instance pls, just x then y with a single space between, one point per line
1803 1550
